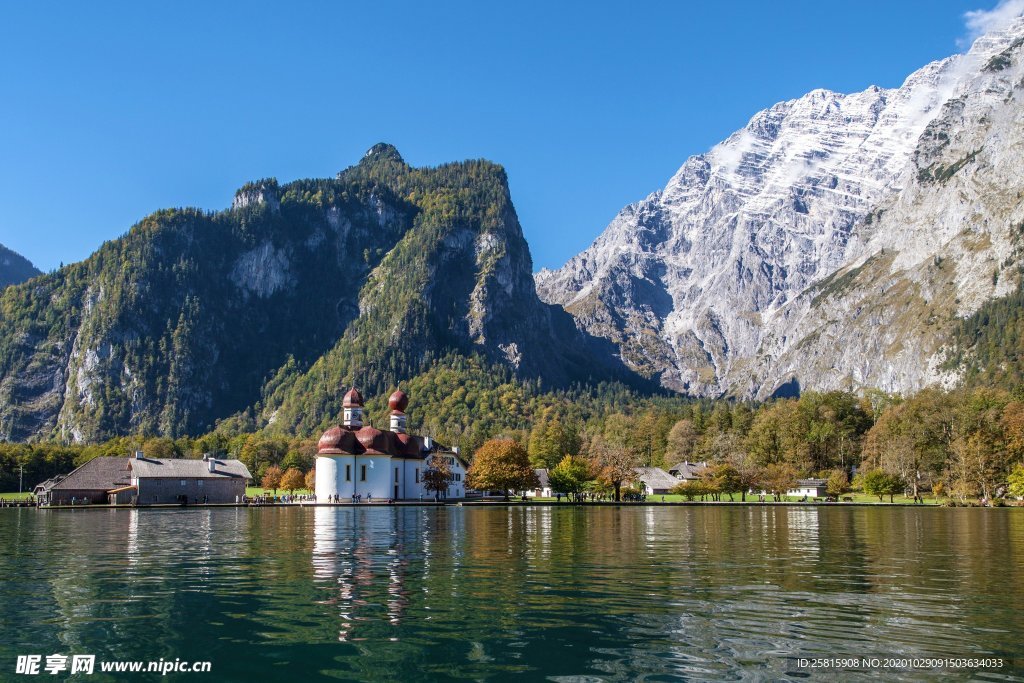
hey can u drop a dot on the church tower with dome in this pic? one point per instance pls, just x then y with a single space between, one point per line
356 461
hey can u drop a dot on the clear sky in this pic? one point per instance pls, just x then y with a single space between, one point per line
109 111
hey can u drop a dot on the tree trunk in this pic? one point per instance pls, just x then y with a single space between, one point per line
618 489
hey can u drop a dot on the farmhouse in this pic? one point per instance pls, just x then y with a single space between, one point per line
688 471
357 460
654 480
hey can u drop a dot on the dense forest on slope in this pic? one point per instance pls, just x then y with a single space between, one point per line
260 312
14 268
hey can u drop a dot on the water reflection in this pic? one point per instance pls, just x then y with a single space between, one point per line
564 593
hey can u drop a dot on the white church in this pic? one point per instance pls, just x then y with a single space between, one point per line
358 460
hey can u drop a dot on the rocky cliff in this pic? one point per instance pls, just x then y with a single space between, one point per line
193 317
831 243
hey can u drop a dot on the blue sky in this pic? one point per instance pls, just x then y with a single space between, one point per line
109 111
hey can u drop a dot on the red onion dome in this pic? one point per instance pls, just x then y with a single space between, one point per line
373 440
399 401
352 398
331 442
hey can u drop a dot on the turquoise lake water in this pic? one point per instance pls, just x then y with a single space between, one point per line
520 593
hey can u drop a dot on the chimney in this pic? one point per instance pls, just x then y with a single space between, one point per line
138 455
212 464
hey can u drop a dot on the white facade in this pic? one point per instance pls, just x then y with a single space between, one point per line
382 477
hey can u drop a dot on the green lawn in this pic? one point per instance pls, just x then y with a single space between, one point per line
253 491
25 495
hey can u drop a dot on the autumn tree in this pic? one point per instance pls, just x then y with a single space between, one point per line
613 463
682 439
437 476
311 480
501 465
978 462
292 479
778 479
724 478
747 469
837 483
272 478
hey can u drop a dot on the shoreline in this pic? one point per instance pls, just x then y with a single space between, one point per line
499 503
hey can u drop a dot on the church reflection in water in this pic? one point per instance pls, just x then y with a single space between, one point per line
361 559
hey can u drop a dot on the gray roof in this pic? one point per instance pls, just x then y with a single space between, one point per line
688 470
542 477
99 474
655 477
811 482
186 468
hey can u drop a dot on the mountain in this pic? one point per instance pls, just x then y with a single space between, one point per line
14 268
265 310
835 242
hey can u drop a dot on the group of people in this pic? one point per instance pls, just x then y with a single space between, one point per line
585 497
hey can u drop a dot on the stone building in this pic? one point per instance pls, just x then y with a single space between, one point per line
354 459
180 480
86 485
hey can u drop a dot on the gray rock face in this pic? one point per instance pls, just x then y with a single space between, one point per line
833 240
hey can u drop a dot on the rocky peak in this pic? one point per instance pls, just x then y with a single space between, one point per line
690 281
262 192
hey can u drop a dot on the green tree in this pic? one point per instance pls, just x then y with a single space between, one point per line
1015 481
880 483
569 476
690 489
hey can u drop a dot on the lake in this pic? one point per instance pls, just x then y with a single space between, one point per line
531 593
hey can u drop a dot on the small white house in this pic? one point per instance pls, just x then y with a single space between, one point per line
812 488
543 489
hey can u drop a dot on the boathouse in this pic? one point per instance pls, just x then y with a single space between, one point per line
184 481
86 485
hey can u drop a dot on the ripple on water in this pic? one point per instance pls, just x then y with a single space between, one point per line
570 594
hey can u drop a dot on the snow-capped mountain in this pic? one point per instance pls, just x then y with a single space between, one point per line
832 241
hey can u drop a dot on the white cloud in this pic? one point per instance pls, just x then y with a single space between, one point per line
980 21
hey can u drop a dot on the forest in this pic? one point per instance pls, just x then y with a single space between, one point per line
963 443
